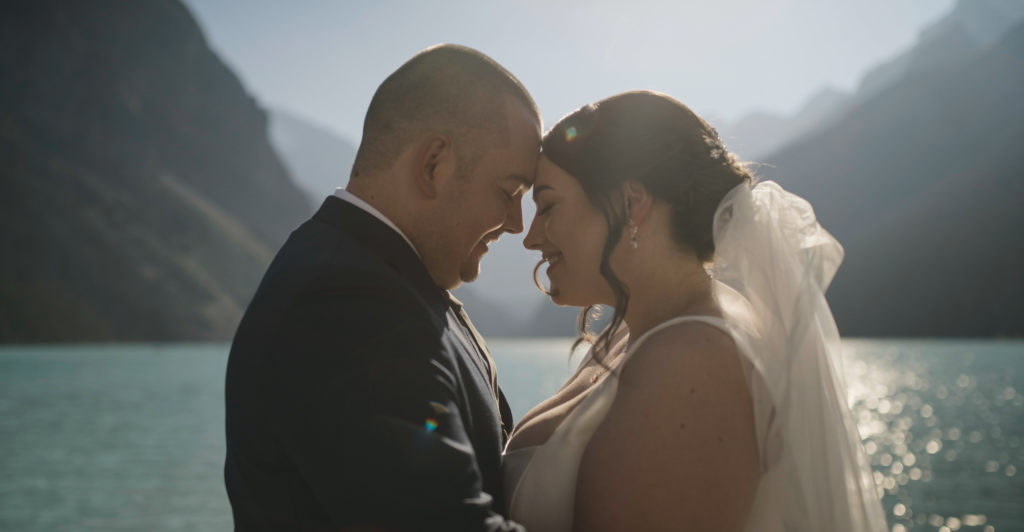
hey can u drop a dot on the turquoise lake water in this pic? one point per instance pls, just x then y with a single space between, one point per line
130 437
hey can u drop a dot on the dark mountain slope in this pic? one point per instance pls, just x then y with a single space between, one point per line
139 196
922 184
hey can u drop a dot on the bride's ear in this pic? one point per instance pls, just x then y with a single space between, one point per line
637 201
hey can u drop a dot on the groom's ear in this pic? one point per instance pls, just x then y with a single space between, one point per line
435 164
637 200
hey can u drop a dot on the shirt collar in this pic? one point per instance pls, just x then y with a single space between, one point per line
343 194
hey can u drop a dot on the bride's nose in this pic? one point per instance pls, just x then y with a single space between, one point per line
535 236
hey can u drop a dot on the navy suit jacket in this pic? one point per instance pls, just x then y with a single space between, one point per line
355 395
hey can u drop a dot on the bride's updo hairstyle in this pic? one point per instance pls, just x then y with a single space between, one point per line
650 138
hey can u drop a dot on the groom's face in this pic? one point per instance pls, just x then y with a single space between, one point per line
486 199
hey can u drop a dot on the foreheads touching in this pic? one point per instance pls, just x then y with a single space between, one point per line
447 90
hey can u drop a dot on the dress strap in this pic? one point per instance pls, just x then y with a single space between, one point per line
713 321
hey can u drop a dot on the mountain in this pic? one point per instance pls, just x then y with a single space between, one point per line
921 182
140 199
318 160
971 26
759 134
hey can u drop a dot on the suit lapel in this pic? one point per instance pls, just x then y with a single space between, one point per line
485 361
383 241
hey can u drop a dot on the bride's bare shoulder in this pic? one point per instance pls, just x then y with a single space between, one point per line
685 346
682 426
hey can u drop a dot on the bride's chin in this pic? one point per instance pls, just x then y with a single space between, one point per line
573 297
563 299
556 295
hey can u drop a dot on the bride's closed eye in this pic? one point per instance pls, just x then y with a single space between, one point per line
542 210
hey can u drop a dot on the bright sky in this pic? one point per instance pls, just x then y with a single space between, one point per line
322 60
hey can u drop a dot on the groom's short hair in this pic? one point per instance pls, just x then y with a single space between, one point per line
448 88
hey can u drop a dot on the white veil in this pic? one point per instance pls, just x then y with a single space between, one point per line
771 251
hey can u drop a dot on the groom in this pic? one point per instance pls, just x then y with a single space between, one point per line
358 395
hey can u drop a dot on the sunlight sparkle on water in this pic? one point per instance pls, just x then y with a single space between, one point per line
929 419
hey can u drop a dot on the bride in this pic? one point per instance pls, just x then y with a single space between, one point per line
712 401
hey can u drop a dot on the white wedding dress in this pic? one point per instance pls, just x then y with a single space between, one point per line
772 264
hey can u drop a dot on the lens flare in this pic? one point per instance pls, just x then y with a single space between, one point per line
570 134
431 424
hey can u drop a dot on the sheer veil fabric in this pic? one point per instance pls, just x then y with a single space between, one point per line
773 262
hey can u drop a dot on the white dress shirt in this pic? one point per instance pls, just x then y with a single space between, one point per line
358 202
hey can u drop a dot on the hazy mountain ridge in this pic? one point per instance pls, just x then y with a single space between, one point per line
318 160
921 183
758 134
140 199
970 27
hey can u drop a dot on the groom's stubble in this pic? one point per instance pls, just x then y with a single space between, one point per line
481 205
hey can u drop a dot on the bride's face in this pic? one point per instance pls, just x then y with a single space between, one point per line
570 232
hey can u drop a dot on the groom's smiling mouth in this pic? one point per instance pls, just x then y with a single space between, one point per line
484 243
490 238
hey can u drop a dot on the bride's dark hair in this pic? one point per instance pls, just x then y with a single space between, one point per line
652 139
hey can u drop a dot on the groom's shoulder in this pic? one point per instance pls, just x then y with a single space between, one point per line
321 269
319 256
331 264
354 281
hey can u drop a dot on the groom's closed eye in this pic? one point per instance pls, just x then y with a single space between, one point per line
522 185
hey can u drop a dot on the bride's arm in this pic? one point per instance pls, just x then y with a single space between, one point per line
678 448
